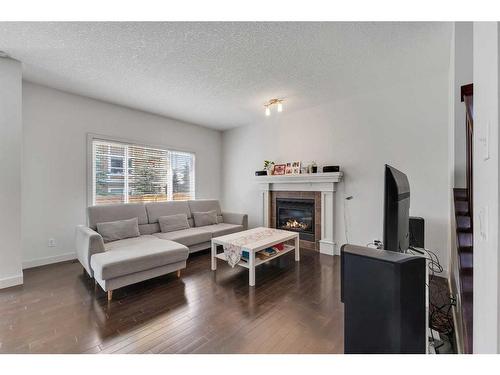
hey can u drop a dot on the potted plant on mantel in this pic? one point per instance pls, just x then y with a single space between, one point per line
269 166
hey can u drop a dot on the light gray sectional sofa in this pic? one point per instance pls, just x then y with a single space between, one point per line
128 243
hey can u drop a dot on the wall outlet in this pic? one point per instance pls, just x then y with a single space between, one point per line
52 242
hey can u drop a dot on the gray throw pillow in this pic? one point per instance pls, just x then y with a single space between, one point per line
173 222
204 218
118 230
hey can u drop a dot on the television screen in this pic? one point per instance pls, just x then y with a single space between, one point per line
396 210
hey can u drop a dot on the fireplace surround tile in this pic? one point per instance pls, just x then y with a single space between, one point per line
316 195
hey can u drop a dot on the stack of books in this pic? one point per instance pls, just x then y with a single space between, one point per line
270 251
264 254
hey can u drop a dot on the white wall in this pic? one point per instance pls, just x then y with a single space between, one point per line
462 71
404 125
54 173
10 172
486 189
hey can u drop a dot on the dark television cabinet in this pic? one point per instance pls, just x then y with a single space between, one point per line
384 295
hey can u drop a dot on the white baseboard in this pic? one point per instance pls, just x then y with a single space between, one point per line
11 281
48 260
327 247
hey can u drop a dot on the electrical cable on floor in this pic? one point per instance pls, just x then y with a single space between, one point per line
440 312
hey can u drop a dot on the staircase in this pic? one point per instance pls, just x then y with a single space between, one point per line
463 200
464 242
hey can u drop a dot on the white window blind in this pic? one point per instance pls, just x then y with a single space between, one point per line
128 173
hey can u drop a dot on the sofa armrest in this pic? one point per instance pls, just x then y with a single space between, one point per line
88 242
233 218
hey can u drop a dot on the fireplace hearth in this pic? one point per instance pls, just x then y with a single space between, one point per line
297 215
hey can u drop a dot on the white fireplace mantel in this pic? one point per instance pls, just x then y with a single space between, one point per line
326 183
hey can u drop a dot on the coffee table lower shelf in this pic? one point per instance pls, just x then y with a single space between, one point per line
271 237
258 261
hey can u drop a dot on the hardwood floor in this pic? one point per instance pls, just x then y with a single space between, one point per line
294 308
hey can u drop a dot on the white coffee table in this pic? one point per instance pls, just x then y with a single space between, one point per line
277 237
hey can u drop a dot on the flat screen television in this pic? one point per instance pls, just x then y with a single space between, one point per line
396 210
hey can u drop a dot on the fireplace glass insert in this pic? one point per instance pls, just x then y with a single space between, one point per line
296 215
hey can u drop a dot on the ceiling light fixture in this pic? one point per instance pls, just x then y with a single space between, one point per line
272 102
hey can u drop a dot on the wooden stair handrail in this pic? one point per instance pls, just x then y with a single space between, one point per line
466 96
466 90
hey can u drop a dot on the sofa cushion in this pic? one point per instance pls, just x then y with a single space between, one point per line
136 256
187 237
204 205
118 230
157 209
173 222
114 212
204 218
222 229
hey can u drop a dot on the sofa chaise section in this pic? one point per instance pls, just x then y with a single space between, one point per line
135 259
119 263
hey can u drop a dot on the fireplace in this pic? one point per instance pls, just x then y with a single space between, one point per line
297 215
317 187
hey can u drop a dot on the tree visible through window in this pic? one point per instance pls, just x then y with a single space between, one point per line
130 173
182 165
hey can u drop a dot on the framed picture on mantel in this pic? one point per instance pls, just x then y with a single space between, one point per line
292 167
279 169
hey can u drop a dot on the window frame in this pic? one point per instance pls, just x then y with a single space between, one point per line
91 137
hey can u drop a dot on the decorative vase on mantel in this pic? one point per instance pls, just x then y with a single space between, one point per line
314 167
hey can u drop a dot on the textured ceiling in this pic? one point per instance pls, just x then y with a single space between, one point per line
220 74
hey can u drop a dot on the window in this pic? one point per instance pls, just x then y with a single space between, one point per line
128 173
116 165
